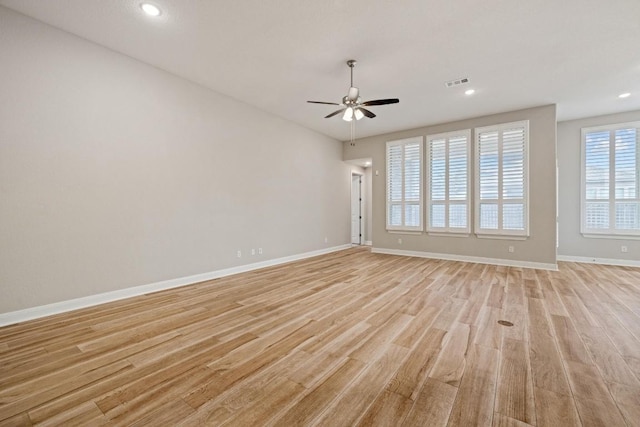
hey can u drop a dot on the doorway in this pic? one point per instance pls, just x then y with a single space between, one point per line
356 209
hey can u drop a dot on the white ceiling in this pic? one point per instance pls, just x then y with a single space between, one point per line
276 54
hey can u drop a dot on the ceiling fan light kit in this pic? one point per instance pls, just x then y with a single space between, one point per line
352 103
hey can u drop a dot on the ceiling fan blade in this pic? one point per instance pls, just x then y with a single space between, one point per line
335 112
367 112
381 101
321 102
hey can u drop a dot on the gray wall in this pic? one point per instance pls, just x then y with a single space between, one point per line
539 248
115 174
368 228
572 243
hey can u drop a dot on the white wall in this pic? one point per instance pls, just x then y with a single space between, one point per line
115 174
539 248
572 243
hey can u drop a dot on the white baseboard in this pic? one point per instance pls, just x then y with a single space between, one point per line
464 258
368 243
77 303
605 261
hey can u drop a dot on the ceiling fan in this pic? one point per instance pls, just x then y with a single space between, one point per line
352 105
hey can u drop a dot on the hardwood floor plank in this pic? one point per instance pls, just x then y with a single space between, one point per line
552 300
37 394
269 406
433 405
569 341
579 313
374 347
610 363
175 365
249 393
317 400
388 409
414 370
451 362
489 332
168 414
586 382
496 296
625 395
546 363
364 390
514 396
416 328
553 409
479 380
595 412
314 368
500 420
450 311
21 420
474 304
515 287
346 338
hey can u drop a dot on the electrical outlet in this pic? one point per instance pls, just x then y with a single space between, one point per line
239 254
399 241
326 239
511 249
623 249
253 251
259 251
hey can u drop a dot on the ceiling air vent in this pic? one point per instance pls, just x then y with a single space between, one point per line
456 82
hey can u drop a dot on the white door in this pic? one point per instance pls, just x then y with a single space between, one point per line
356 211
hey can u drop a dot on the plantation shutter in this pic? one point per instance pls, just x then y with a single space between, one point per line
502 205
627 204
448 164
404 185
597 157
611 195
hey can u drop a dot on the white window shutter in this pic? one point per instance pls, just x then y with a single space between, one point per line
404 185
448 182
610 180
502 180
597 184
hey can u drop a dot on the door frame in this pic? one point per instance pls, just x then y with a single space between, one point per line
351 200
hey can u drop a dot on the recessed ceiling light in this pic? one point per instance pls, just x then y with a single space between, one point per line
624 95
469 91
150 9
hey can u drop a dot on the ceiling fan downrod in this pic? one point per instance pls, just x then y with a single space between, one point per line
352 63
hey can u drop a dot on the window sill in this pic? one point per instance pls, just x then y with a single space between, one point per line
447 234
405 232
501 237
611 236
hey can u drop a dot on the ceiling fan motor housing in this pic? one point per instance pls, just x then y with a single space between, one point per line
351 101
353 93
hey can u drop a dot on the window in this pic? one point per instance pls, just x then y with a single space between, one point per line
404 184
610 183
448 182
502 200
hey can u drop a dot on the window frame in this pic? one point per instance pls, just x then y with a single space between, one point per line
388 202
611 232
447 229
500 232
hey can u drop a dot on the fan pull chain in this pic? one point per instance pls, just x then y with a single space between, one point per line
353 132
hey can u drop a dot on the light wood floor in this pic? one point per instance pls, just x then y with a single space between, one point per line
350 338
